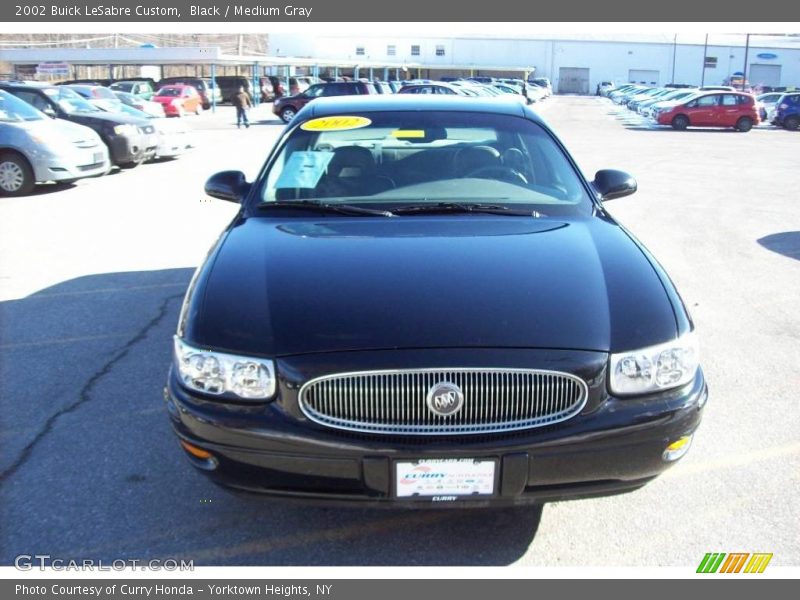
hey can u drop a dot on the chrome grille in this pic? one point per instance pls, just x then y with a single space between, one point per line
394 402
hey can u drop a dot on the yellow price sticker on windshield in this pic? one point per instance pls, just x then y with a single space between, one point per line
408 133
341 123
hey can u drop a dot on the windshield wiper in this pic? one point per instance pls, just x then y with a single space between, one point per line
462 207
345 209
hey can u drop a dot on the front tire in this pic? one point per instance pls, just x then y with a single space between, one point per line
744 124
16 175
287 114
792 123
680 122
130 165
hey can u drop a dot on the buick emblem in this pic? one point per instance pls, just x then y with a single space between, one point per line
445 399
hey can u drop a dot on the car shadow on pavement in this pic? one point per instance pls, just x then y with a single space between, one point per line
275 121
89 466
786 243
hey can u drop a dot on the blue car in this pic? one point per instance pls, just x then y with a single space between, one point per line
787 111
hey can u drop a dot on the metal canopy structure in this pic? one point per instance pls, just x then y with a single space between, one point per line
214 57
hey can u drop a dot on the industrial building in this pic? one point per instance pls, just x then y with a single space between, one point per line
574 64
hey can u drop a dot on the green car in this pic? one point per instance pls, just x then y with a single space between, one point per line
140 89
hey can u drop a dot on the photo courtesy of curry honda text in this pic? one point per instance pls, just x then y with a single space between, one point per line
423 302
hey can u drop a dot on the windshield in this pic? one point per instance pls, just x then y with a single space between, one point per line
121 108
169 91
70 101
424 157
12 109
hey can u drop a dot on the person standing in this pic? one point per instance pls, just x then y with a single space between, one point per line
241 100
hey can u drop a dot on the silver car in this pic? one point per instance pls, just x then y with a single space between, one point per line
174 136
35 149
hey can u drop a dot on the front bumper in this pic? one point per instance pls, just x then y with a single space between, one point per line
126 149
613 446
75 164
173 144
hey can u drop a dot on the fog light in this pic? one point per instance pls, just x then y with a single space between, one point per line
677 449
195 451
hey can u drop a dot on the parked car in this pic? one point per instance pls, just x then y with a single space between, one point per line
604 87
717 88
787 111
179 100
279 87
324 324
543 82
649 108
154 109
107 82
737 110
288 106
622 96
203 86
127 138
140 89
440 88
173 136
94 91
35 149
766 102
383 87
229 86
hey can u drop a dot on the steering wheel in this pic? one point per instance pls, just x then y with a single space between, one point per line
501 172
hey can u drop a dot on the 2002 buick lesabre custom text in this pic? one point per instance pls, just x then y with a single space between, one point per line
423 301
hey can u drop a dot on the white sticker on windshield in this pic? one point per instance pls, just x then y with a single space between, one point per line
303 169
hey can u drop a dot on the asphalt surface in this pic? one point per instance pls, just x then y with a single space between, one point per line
91 278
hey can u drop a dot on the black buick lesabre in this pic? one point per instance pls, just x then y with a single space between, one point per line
423 302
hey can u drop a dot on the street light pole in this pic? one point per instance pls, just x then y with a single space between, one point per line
674 53
705 51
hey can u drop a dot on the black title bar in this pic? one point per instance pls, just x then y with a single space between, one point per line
444 11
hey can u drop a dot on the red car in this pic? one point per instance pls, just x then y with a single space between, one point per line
179 100
716 109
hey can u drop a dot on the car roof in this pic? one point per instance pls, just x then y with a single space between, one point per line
29 86
413 102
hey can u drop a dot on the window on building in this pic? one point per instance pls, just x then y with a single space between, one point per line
391 50
360 51
415 50
711 62
439 50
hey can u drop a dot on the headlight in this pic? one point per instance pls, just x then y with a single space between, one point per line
124 129
218 373
655 368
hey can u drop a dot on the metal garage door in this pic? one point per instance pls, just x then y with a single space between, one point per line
572 80
643 76
764 75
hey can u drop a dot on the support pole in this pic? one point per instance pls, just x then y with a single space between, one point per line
744 70
213 87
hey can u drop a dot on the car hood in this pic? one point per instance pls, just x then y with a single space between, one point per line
98 117
341 284
58 130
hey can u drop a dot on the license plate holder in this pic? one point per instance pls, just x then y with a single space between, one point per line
446 479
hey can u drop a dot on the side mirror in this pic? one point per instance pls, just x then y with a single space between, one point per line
49 111
227 185
611 184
